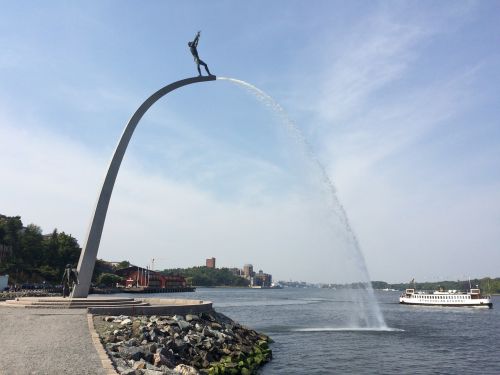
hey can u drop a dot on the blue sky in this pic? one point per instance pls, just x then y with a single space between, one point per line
397 99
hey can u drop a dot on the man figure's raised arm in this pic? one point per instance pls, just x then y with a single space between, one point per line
196 39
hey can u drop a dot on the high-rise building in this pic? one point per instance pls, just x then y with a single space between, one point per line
248 270
262 279
235 271
210 262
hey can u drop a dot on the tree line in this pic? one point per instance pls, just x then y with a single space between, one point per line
204 276
486 284
32 257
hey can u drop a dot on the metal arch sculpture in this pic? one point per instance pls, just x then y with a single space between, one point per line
89 253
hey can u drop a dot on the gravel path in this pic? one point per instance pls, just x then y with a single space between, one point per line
46 341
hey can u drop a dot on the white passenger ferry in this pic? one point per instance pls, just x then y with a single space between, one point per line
453 298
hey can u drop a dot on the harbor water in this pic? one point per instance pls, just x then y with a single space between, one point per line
310 337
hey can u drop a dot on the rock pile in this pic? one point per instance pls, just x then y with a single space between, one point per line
27 293
207 343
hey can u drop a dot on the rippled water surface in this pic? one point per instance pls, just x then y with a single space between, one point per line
312 334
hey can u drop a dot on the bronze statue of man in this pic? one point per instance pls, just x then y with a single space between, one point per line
70 278
192 46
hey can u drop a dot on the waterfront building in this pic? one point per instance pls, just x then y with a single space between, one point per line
210 262
264 280
143 277
235 271
248 271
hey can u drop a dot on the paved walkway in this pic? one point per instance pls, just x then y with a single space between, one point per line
46 341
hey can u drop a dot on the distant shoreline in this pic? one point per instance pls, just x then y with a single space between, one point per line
222 287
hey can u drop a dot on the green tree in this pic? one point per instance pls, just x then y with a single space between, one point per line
31 250
68 251
35 257
50 246
101 267
203 276
11 228
122 264
379 285
108 279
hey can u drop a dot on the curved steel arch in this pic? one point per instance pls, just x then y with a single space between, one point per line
89 253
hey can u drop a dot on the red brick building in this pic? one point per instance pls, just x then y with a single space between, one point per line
210 262
142 277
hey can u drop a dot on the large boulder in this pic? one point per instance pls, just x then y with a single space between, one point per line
186 370
183 325
131 342
166 356
216 325
192 317
133 353
125 322
139 365
152 372
163 360
180 345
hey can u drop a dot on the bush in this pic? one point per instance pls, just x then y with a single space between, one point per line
108 279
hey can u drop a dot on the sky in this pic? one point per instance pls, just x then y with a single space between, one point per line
397 100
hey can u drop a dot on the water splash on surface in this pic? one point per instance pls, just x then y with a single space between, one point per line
347 329
373 318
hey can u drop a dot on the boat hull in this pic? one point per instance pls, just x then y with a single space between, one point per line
483 305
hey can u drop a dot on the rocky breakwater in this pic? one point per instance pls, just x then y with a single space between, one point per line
206 343
27 293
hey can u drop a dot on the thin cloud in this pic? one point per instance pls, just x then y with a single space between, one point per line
55 181
403 203
378 56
